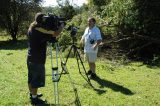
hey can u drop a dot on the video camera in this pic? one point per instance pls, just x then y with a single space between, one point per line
53 22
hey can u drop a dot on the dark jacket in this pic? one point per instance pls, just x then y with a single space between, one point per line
37 45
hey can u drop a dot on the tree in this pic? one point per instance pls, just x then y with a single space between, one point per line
14 12
137 26
66 10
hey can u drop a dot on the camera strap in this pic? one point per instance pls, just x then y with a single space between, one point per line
89 35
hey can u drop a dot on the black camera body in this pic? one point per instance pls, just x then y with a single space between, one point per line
73 30
92 41
52 22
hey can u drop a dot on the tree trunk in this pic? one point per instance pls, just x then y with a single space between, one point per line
14 38
14 34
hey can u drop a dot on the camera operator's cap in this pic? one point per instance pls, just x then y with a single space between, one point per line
39 17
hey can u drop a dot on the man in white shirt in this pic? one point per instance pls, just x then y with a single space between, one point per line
91 39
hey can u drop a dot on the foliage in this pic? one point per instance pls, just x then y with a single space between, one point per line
14 12
78 22
132 22
143 21
97 2
55 10
66 9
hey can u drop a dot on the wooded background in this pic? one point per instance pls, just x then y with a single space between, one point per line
129 28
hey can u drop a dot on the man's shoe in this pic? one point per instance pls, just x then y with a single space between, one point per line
36 101
89 72
38 95
92 76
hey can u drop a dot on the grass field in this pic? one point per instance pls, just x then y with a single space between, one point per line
131 84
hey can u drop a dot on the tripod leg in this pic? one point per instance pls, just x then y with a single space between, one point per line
79 57
76 53
69 54
78 63
56 94
55 76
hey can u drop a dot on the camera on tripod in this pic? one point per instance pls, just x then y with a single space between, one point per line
73 30
53 22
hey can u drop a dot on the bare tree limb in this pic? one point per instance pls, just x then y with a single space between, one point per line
134 37
139 48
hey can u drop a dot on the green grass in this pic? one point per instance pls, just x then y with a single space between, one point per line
132 84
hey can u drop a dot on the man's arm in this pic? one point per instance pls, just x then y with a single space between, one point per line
97 44
99 39
50 32
82 41
45 31
83 37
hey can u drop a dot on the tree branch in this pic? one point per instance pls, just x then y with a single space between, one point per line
134 37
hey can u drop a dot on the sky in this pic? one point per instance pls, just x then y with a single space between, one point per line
54 3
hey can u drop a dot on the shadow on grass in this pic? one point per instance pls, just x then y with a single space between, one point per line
10 45
118 88
77 101
47 104
155 63
51 104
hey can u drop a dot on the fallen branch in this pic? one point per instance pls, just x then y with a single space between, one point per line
134 37
139 48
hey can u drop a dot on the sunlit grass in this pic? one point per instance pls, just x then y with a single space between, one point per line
132 84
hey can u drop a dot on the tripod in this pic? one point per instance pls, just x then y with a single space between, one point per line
78 58
56 75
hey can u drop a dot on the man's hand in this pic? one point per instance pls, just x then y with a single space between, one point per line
96 44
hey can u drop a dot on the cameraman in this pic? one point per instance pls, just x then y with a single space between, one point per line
91 39
37 44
